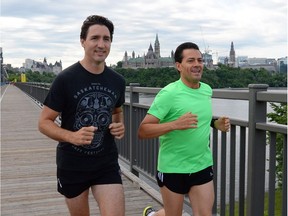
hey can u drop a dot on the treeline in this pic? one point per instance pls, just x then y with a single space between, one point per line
45 77
222 77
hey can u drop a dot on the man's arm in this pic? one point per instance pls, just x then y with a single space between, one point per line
151 128
47 126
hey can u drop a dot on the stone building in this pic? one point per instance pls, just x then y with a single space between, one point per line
43 66
152 59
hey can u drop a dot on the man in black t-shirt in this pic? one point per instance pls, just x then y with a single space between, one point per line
89 97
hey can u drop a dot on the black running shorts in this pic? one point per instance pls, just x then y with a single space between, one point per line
72 183
181 183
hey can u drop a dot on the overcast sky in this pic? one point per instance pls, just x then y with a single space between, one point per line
48 28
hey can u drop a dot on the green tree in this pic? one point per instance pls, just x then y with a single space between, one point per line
222 77
13 75
279 116
32 76
119 64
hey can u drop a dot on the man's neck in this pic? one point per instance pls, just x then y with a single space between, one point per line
94 68
193 85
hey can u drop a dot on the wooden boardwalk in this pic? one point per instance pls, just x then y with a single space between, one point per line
28 169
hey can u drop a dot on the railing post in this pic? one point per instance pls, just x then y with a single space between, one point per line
134 98
256 152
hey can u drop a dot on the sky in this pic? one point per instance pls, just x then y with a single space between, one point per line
38 29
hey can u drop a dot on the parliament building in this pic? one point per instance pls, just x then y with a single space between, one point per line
152 59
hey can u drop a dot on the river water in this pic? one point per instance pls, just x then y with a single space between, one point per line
236 109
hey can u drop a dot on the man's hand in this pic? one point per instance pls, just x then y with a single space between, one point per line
222 124
84 136
186 121
117 130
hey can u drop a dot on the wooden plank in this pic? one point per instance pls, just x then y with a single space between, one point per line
28 169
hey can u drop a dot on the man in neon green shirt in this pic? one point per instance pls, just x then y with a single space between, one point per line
181 116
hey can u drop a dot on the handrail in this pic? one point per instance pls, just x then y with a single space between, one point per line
229 149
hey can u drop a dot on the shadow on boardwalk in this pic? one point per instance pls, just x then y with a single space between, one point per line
28 169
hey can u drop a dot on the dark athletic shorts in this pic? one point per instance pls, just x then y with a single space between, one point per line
72 183
181 183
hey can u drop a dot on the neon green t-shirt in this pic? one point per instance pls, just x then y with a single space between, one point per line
184 151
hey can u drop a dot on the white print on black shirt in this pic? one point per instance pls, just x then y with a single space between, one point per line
94 109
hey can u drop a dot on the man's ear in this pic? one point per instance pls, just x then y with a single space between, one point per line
82 42
178 66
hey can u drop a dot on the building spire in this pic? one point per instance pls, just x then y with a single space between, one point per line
232 57
157 47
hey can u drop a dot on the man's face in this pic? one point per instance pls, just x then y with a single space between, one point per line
191 67
97 43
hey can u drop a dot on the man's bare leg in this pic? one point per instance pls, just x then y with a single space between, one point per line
202 199
110 198
79 206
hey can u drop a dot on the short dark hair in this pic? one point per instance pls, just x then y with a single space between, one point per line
96 20
178 57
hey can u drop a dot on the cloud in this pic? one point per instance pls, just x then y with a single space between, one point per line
49 28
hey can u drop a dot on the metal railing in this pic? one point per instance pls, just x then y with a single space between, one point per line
241 156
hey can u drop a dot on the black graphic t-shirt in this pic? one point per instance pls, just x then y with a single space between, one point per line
86 99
